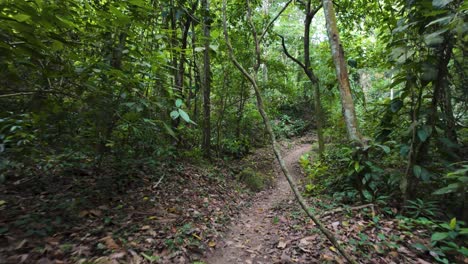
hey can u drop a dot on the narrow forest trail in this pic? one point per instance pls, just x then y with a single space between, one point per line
254 235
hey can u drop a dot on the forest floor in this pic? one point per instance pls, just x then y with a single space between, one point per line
196 214
274 229
255 235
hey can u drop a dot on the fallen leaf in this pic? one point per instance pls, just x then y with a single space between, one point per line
335 225
118 255
95 212
281 245
21 244
83 213
110 243
327 257
422 261
212 244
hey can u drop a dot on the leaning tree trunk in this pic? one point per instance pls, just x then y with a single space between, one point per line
266 121
347 103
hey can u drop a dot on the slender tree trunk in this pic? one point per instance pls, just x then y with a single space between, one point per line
276 148
240 109
307 67
206 80
313 78
319 117
116 63
349 113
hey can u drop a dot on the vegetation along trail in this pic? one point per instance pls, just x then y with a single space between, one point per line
255 236
177 131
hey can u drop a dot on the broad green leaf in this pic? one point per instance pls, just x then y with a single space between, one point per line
424 132
386 149
439 236
170 131
396 105
425 174
441 3
463 179
417 170
174 114
449 189
453 223
185 116
356 166
463 251
404 150
442 21
178 103
139 3
420 246
21 17
214 48
435 38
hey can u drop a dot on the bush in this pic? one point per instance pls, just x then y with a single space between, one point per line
255 181
287 127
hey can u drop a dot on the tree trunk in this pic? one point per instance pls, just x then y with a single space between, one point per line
313 78
240 109
206 80
349 113
306 66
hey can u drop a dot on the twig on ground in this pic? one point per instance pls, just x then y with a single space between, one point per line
341 209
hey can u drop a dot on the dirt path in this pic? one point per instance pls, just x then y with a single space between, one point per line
254 235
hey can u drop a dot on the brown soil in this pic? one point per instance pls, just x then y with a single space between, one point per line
253 234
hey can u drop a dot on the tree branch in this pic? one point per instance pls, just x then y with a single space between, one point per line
285 50
15 94
274 19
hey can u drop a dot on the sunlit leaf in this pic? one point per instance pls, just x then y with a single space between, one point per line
174 114
441 3
178 103
439 236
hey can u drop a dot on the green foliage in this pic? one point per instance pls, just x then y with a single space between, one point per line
288 127
314 170
236 147
445 242
255 181
418 207
458 182
352 173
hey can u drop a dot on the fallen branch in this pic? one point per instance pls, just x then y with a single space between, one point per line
341 209
159 181
275 145
15 94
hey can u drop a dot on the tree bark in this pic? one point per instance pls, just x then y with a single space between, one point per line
206 80
349 112
276 148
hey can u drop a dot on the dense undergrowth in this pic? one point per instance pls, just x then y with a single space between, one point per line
439 206
102 98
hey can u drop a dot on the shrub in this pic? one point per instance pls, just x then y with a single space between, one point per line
255 181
